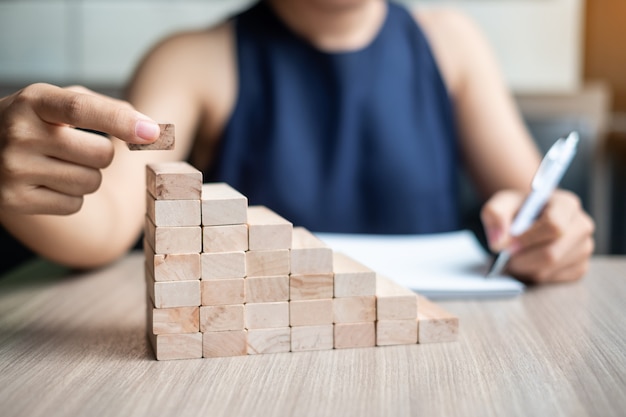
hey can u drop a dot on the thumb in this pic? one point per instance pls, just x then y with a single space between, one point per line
497 215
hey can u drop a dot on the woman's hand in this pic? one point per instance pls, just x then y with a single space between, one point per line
46 165
556 248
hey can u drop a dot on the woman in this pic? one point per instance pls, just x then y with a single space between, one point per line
341 115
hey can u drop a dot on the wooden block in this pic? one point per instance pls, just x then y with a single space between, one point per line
172 267
169 240
266 263
229 238
354 335
267 289
312 338
352 278
174 320
267 315
269 340
221 318
173 181
354 309
223 205
396 332
393 301
309 255
267 230
168 294
217 292
311 312
223 265
173 212
310 287
165 142
176 346
222 344
435 324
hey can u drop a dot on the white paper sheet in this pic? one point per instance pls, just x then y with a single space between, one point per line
441 266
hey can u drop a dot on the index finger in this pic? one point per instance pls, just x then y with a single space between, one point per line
89 111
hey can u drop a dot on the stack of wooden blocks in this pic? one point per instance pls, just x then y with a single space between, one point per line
228 279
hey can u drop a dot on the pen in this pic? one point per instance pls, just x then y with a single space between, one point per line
548 175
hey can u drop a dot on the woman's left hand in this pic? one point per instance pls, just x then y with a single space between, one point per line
556 248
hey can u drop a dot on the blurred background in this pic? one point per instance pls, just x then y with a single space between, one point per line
564 60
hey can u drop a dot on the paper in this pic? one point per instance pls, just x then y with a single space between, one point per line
440 266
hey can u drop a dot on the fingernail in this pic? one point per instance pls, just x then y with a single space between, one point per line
147 130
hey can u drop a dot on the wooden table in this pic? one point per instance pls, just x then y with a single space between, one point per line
75 345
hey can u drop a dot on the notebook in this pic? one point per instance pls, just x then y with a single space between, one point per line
439 266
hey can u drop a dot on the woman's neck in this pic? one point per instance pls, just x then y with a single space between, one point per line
333 25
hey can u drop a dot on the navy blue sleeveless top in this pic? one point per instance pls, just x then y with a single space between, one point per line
351 142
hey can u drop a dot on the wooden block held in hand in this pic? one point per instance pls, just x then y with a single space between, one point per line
352 278
305 338
176 346
434 323
221 318
393 301
265 263
173 181
396 332
165 142
353 335
267 289
227 238
267 230
269 340
311 287
311 312
168 240
222 291
223 205
354 309
223 265
267 315
172 267
309 255
174 320
227 343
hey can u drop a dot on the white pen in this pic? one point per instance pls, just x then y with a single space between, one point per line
548 176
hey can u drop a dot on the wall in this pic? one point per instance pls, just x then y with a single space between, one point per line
538 42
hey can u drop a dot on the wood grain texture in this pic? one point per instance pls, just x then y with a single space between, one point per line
165 142
352 278
223 265
262 341
267 230
393 301
167 240
173 212
267 289
222 344
311 312
267 263
267 315
173 320
172 267
215 292
304 338
74 344
223 205
173 181
311 287
176 346
227 238
309 255
435 324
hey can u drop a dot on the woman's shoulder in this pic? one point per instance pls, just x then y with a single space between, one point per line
455 40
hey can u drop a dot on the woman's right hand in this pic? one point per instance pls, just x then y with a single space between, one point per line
46 165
